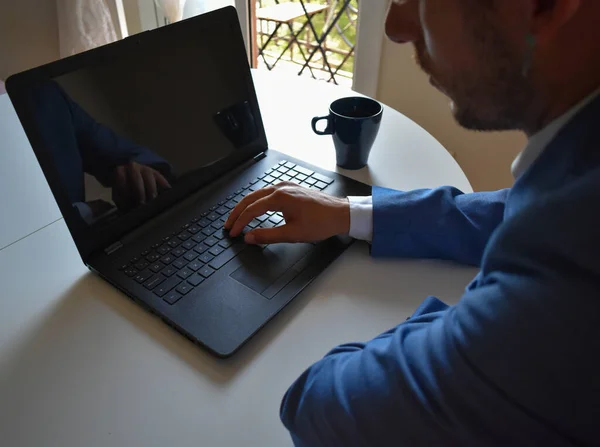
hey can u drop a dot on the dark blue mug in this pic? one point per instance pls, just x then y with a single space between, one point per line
354 124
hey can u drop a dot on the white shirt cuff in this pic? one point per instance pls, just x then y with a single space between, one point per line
361 218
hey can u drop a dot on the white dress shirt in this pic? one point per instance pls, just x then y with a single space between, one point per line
361 208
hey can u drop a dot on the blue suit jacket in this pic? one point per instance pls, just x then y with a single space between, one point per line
514 363
79 144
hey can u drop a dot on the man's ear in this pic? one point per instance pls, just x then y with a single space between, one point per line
550 16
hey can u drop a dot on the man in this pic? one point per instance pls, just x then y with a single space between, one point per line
514 362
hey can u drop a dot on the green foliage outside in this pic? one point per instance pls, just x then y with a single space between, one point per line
347 23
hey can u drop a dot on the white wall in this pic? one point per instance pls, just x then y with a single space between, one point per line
28 34
484 157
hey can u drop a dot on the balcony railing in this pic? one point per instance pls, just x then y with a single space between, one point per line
316 37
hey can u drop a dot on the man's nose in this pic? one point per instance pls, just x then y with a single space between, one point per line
402 24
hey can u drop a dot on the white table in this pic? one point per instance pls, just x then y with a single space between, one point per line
80 365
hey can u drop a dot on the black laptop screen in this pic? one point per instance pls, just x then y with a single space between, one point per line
133 131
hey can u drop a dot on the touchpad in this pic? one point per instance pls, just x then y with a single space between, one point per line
262 268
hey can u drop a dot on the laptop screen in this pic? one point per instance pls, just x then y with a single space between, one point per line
144 124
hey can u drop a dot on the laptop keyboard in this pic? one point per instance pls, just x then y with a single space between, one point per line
182 260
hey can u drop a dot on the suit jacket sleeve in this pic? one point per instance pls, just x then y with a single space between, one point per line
497 369
441 223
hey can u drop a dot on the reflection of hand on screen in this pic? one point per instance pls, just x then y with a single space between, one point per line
135 184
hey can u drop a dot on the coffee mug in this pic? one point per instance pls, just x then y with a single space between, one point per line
354 123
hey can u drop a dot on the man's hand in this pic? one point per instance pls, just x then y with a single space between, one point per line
135 184
309 215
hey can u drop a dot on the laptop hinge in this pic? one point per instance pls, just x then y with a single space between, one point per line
260 156
113 248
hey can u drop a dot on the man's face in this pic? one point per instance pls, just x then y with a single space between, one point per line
473 52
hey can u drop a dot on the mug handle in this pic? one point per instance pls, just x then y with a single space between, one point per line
328 130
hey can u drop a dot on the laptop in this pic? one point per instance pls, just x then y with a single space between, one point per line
147 145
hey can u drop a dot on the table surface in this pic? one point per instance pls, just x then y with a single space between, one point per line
82 365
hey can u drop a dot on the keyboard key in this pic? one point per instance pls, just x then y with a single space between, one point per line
199 238
154 281
301 177
254 223
180 263
222 210
211 241
292 173
259 185
220 234
169 271
227 256
195 279
184 288
173 243
282 162
166 239
283 169
141 265
238 198
245 193
145 253
256 180
276 175
268 171
156 267
212 208
322 178
206 258
216 250
206 271
167 286
195 265
200 248
263 218
172 297
267 224
269 179
143 276
204 214
195 219
190 256
304 171
208 231
225 243
167 259
275 218
185 226
222 202
247 186
124 266
177 252
270 213
153 257
213 216
217 225
296 181
311 181
204 223
285 178
321 185
185 273
231 205
290 165
188 245
194 229
184 235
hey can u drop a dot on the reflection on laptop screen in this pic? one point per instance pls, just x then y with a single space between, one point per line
123 132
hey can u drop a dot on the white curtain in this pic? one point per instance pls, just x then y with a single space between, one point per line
83 25
172 9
